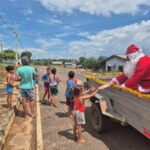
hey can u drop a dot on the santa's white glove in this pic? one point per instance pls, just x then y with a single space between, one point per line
123 85
113 81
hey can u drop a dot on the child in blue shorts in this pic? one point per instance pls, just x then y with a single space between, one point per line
10 79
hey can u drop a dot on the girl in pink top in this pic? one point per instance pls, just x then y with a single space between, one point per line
79 118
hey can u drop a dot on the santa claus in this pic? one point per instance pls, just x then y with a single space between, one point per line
136 71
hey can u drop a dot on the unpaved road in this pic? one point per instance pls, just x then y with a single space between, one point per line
58 134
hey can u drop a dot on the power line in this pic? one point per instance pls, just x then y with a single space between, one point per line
5 21
13 29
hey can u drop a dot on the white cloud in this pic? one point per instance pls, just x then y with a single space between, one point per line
11 0
113 41
50 21
2 36
96 7
48 43
145 13
27 12
36 52
107 42
64 34
84 34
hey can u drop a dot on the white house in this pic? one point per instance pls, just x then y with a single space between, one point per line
70 65
114 63
57 63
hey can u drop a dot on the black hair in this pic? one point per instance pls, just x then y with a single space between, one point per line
77 90
71 74
9 68
25 60
53 71
48 68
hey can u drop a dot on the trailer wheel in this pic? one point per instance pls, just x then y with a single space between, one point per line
97 119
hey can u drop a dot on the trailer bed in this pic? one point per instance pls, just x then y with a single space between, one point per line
134 109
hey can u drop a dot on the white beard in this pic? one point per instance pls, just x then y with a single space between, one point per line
134 57
129 68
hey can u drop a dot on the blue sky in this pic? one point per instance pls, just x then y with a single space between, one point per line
74 28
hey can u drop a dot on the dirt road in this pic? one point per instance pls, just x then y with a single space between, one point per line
58 134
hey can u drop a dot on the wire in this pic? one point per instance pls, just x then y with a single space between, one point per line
12 29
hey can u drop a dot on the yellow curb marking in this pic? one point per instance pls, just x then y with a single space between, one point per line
38 124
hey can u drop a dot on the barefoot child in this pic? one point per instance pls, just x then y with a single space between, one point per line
69 93
54 81
80 96
36 80
10 79
45 79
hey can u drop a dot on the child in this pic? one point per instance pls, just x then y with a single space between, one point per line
80 96
10 79
35 78
45 79
54 81
71 84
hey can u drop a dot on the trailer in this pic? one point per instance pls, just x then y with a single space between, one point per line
122 105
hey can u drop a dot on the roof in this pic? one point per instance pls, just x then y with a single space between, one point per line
68 63
57 62
121 56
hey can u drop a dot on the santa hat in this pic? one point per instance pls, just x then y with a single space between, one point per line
132 49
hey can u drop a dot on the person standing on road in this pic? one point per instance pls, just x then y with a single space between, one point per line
69 93
10 79
54 81
26 74
36 81
45 79
80 96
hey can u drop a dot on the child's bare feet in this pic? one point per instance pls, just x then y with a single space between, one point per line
80 141
54 105
33 115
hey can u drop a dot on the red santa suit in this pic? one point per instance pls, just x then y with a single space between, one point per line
140 79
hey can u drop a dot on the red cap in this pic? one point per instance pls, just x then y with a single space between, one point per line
132 49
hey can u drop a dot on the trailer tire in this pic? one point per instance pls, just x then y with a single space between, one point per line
97 119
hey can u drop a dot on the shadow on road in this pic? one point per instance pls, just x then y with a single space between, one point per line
117 137
20 113
4 105
62 102
67 134
62 114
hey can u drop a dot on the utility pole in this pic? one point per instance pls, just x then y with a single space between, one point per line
16 36
1 47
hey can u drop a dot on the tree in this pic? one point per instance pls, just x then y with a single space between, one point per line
99 63
90 63
82 60
101 58
26 53
8 54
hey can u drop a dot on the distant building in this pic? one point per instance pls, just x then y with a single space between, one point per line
114 63
57 63
8 61
70 65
